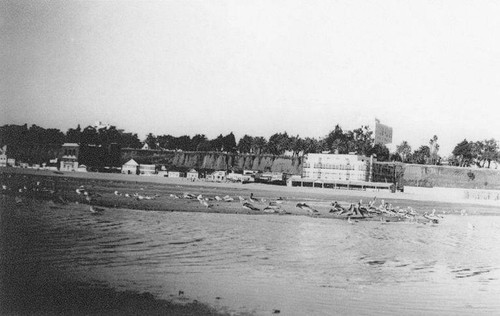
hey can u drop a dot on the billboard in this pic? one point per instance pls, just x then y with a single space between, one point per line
383 133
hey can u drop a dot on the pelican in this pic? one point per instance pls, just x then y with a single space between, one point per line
252 199
431 217
174 196
227 198
205 203
188 196
218 198
241 199
250 207
96 210
306 207
269 209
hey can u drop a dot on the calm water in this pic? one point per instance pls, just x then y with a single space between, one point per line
255 264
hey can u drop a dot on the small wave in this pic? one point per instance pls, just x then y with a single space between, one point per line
184 242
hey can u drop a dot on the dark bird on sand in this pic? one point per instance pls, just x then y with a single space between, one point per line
306 207
250 207
252 198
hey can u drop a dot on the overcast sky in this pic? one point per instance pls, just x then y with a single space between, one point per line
255 67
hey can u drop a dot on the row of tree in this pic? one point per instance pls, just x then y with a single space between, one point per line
477 153
35 144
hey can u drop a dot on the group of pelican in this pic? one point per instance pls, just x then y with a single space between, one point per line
137 196
361 210
248 203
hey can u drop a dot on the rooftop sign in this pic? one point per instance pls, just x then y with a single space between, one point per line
383 133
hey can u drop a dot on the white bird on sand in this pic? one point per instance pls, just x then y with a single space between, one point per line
431 217
117 193
96 210
241 199
205 203
174 196
227 198
218 198
269 209
188 196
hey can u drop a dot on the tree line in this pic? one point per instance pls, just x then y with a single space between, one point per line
35 144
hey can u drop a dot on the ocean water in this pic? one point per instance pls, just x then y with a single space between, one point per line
253 264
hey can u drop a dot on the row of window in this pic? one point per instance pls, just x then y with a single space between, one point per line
338 167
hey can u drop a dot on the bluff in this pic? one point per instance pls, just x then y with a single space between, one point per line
184 160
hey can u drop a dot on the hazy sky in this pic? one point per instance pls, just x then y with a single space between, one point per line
254 67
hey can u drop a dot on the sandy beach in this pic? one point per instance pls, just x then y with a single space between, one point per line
161 193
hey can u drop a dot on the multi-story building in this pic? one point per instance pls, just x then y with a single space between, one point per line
69 158
333 167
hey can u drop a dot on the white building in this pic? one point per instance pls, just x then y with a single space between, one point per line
334 167
192 174
130 167
147 170
174 174
238 177
69 159
217 176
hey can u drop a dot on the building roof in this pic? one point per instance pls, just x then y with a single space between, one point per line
193 171
70 145
131 162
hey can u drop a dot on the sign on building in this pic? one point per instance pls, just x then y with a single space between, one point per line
383 133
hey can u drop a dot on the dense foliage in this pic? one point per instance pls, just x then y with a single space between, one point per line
99 145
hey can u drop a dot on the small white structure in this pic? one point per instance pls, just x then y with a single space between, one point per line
11 162
4 161
3 156
192 175
162 173
81 168
130 167
217 176
147 170
174 174
238 177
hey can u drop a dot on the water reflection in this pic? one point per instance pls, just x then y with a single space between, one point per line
299 265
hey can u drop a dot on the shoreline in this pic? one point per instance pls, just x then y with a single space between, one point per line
164 194
429 195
